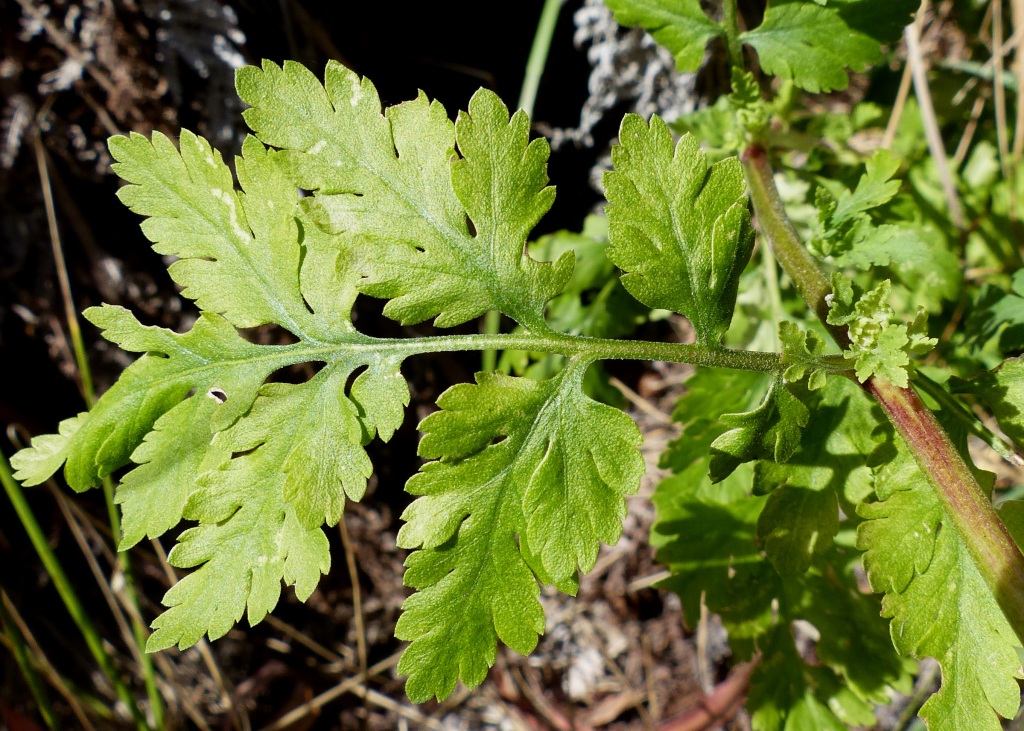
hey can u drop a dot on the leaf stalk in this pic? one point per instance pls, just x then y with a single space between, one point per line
551 342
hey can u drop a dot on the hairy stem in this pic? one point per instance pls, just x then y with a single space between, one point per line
553 342
964 502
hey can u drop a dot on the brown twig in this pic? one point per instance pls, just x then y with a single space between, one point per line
717 707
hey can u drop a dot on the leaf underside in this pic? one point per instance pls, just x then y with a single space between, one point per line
526 479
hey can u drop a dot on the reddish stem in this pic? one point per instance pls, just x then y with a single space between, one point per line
965 504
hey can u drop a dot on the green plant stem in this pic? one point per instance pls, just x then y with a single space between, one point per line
771 283
731 27
527 98
67 593
539 55
789 251
966 505
28 672
139 630
279 356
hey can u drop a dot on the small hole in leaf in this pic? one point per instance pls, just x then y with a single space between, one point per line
217 395
470 226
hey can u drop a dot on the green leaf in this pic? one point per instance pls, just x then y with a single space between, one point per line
174 365
999 312
679 228
771 431
153 495
594 302
707 537
783 696
813 45
238 253
827 472
301 441
938 602
875 188
879 346
244 557
1002 392
801 354
35 464
528 478
260 467
439 235
681 26
710 393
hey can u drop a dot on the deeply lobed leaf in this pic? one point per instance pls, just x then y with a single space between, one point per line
939 604
679 228
714 540
809 43
528 479
681 26
439 237
813 44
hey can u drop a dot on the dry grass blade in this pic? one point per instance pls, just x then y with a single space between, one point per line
899 105
239 718
62 273
51 674
101 580
645 582
1018 69
16 644
915 59
1002 137
306 641
357 595
405 711
970 128
346 686
640 402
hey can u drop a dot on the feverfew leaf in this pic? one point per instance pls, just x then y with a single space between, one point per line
813 45
771 431
153 495
875 188
301 441
495 513
708 538
392 183
244 557
681 26
35 464
679 228
939 604
851 232
261 467
828 471
237 253
710 393
801 354
174 365
1002 391
879 346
